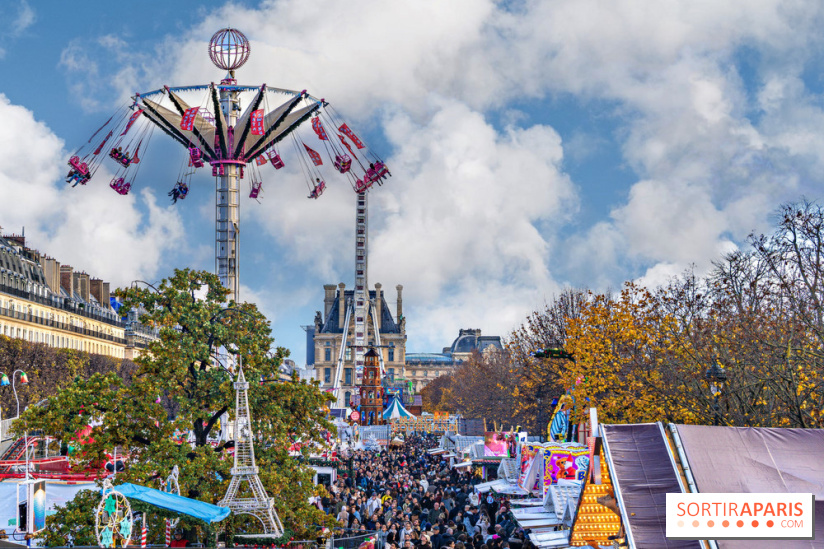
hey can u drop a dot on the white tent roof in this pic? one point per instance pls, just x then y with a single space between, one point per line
395 410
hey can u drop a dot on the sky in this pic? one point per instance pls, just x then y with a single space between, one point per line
534 145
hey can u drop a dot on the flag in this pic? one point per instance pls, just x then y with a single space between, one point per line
188 120
260 160
342 140
132 119
313 155
318 127
348 133
256 121
100 128
100 147
135 158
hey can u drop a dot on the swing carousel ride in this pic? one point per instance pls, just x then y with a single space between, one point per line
236 130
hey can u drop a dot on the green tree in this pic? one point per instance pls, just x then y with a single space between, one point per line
181 386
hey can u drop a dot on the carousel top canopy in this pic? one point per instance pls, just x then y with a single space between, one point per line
395 410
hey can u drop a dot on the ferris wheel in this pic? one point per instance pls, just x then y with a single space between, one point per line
236 130
113 519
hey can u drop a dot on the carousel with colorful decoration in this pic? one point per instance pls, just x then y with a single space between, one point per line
236 130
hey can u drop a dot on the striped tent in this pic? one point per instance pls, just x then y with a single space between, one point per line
395 410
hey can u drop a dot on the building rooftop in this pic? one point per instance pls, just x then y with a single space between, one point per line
429 358
332 324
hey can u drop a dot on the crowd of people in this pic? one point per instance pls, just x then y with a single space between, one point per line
414 500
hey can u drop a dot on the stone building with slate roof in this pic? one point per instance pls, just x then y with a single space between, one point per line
327 338
45 302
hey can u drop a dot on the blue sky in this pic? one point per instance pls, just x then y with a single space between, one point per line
533 145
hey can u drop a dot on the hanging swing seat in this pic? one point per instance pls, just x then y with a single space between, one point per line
381 170
343 163
255 192
196 156
318 190
179 191
120 186
79 172
362 185
81 167
376 172
121 157
274 158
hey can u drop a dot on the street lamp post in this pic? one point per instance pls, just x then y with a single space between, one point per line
4 382
716 376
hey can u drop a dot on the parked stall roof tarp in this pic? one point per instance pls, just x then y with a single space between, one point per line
179 504
758 460
644 472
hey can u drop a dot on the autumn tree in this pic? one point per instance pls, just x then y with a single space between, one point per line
183 385
482 387
435 396
539 379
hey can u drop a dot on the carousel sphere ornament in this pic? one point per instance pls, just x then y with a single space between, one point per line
229 49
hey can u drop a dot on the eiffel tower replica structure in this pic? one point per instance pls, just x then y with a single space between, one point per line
256 502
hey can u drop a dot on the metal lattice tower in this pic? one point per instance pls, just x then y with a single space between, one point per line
361 302
255 502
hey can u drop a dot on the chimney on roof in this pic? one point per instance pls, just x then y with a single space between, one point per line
18 239
67 279
51 270
100 291
400 301
81 285
378 305
328 299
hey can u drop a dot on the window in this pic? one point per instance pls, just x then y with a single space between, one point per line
391 373
391 355
327 354
349 353
327 375
347 396
347 375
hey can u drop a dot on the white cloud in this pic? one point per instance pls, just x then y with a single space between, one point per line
88 227
472 214
25 18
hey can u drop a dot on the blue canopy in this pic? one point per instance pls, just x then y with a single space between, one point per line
172 502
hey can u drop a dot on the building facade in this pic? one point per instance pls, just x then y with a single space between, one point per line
422 368
45 302
327 338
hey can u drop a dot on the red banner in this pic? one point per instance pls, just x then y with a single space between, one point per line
348 133
132 119
256 120
318 127
314 156
100 147
188 120
342 140
260 160
135 158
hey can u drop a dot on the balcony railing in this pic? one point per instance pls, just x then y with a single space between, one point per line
63 304
28 317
